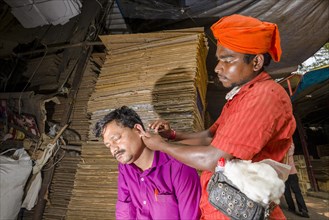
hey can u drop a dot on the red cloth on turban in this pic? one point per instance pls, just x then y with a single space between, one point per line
248 35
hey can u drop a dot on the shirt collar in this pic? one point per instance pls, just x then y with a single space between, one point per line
232 93
159 159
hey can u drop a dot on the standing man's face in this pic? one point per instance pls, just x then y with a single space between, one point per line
231 68
124 143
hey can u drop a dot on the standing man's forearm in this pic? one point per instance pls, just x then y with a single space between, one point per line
203 135
198 157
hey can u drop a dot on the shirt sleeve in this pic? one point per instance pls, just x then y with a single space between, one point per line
124 207
250 126
187 188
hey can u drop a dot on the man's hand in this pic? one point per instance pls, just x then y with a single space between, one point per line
161 127
153 141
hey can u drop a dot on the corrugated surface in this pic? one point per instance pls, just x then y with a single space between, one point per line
95 186
79 118
60 190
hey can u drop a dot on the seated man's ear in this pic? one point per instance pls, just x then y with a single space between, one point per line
139 129
258 62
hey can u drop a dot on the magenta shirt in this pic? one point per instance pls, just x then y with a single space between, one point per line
168 190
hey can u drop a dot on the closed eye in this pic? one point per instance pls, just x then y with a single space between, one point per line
226 60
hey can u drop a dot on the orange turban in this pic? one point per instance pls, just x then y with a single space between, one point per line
248 35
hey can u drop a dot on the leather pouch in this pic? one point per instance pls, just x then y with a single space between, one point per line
228 199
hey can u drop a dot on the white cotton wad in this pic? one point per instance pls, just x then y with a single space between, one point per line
258 181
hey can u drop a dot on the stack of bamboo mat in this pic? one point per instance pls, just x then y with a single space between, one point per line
60 191
95 186
79 118
160 75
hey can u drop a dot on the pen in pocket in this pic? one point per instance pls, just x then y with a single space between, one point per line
156 192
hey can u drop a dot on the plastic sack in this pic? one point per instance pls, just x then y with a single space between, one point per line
281 169
32 193
13 177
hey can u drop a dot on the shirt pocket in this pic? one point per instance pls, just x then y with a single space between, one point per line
167 198
166 207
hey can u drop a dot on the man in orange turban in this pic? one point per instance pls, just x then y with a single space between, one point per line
256 122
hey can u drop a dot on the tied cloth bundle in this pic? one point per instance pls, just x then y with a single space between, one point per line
248 190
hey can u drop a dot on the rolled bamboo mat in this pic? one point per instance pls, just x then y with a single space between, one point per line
160 75
61 187
80 118
95 186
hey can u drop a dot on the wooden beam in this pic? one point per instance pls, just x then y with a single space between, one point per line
302 136
50 48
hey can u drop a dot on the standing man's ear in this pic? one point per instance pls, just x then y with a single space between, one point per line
139 129
258 62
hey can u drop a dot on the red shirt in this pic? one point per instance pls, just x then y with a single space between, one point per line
256 124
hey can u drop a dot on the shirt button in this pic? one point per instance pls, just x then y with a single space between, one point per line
144 202
142 179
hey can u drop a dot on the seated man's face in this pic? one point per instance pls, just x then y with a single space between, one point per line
124 143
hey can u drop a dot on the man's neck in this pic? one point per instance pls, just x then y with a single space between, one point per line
145 160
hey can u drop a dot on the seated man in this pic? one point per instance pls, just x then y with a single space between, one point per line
151 184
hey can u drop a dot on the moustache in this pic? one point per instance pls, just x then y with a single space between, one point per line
219 76
116 153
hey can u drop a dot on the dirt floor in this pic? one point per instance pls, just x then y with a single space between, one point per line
317 204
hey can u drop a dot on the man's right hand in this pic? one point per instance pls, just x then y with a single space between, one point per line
161 127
